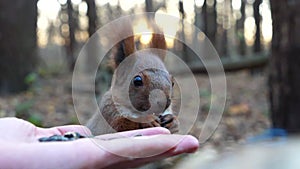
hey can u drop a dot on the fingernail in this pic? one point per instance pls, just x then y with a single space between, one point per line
189 144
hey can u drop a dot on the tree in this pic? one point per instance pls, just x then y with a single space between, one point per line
149 6
92 48
92 15
257 19
240 30
284 79
17 43
70 42
211 22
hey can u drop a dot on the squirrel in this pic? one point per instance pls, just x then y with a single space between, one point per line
140 95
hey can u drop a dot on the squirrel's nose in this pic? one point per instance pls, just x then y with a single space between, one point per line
166 102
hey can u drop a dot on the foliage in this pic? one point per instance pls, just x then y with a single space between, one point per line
31 78
23 110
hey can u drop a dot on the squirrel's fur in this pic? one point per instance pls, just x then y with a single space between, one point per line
129 107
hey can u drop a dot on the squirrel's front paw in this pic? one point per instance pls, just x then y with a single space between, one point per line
170 122
153 122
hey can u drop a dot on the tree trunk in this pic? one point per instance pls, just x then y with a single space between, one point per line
257 19
204 16
240 30
212 22
92 15
284 79
70 44
91 60
149 6
17 43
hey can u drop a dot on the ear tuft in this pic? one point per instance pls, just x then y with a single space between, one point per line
158 41
123 49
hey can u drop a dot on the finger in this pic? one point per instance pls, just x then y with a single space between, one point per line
133 147
188 145
142 149
60 130
133 133
84 154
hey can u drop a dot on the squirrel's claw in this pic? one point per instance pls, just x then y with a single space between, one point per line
170 122
151 124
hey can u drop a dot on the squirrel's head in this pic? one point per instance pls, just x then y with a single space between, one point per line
151 87
150 84
141 80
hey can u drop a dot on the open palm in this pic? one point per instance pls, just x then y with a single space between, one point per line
20 147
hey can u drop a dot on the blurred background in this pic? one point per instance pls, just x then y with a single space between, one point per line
257 41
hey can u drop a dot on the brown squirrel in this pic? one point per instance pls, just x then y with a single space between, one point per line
141 90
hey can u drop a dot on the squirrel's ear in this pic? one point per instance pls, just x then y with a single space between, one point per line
123 49
158 41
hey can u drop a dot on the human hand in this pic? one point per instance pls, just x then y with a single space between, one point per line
20 147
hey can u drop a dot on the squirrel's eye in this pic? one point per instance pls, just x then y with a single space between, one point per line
137 81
